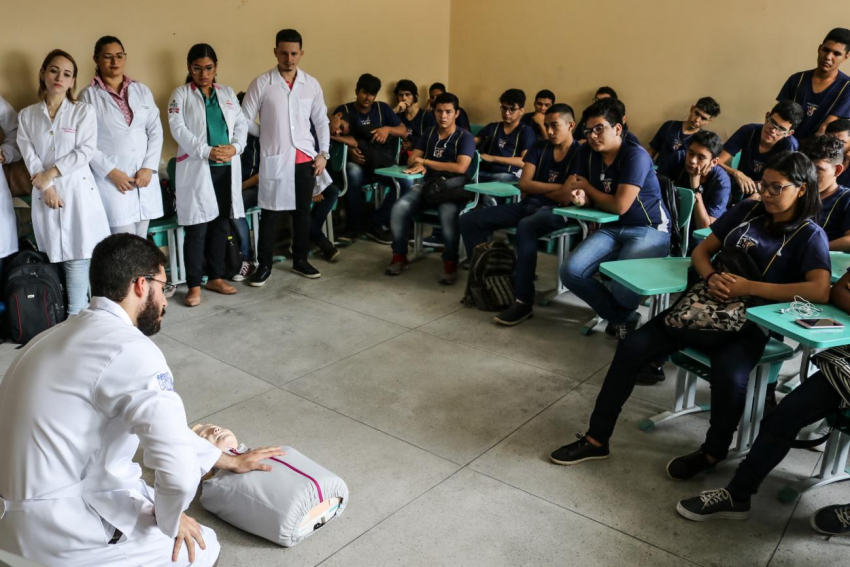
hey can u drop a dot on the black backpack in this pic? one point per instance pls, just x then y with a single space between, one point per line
232 255
670 195
35 296
490 286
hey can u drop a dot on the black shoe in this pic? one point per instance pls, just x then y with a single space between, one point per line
579 452
651 374
770 402
688 466
349 235
303 268
515 314
713 505
832 520
379 235
329 251
611 330
261 276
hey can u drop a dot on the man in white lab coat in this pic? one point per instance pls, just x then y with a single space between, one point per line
291 169
74 407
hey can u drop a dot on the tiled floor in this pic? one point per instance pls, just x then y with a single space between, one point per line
441 424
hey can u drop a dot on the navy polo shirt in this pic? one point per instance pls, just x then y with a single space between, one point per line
459 143
844 178
716 188
250 158
380 114
423 121
528 120
832 101
499 143
547 169
834 217
669 142
746 140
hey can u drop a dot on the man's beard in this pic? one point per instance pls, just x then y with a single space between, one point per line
149 321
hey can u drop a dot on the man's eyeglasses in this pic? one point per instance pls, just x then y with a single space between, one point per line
771 125
773 188
596 131
114 56
508 109
167 288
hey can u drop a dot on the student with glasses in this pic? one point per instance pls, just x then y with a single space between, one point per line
779 234
502 145
614 174
757 144
672 138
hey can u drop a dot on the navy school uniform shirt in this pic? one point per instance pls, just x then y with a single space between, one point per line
632 166
746 140
669 142
804 250
528 120
832 101
459 143
462 120
496 142
715 189
548 170
834 217
379 115
250 158
844 178
419 125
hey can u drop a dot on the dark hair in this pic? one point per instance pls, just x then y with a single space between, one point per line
709 106
606 91
47 60
100 44
288 36
823 148
840 125
839 35
433 86
709 140
606 109
240 96
368 83
447 98
545 93
790 111
409 86
344 116
513 96
563 109
200 51
799 170
117 260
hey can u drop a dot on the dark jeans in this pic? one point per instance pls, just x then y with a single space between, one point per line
809 403
320 213
209 239
357 176
249 199
732 355
270 220
531 218
411 204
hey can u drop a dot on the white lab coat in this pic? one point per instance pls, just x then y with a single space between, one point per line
74 406
285 117
69 142
129 149
187 119
8 224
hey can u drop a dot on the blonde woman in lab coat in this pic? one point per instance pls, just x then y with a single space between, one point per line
207 122
57 138
129 142
8 153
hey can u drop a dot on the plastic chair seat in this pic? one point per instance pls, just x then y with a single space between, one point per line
774 351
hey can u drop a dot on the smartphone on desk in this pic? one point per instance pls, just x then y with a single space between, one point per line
820 324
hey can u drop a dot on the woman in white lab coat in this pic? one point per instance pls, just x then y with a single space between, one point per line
207 122
129 142
57 138
8 153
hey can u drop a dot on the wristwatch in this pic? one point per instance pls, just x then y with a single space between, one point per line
325 155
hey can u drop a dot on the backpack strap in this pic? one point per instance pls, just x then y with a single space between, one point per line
797 88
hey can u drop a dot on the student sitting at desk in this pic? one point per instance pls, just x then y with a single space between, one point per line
779 237
827 153
672 138
536 120
840 129
502 145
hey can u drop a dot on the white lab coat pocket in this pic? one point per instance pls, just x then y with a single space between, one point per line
276 167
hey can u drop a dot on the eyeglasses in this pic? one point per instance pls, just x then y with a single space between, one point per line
197 70
167 288
771 125
773 188
596 131
508 109
114 56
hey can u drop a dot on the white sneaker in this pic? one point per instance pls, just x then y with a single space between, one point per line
819 431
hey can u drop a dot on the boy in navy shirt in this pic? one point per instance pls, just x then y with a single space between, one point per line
672 138
385 127
823 92
543 100
436 90
443 152
547 166
415 119
840 129
757 144
502 145
616 175
601 94
827 154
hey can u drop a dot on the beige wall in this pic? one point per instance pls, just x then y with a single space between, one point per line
660 55
342 39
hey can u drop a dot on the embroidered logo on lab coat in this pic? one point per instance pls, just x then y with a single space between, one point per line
166 382
173 107
69 130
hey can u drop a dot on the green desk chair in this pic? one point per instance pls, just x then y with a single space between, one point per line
174 236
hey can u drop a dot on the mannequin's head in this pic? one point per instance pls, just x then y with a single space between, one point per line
222 438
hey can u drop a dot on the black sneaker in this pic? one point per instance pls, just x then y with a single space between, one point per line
379 235
329 251
515 314
349 235
832 520
303 268
713 505
261 276
579 452
688 466
611 330
650 374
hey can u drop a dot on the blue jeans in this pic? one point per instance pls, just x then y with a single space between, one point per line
357 175
77 284
408 206
531 219
320 213
488 177
618 304
249 198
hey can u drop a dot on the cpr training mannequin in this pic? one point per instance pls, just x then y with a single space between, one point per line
284 506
